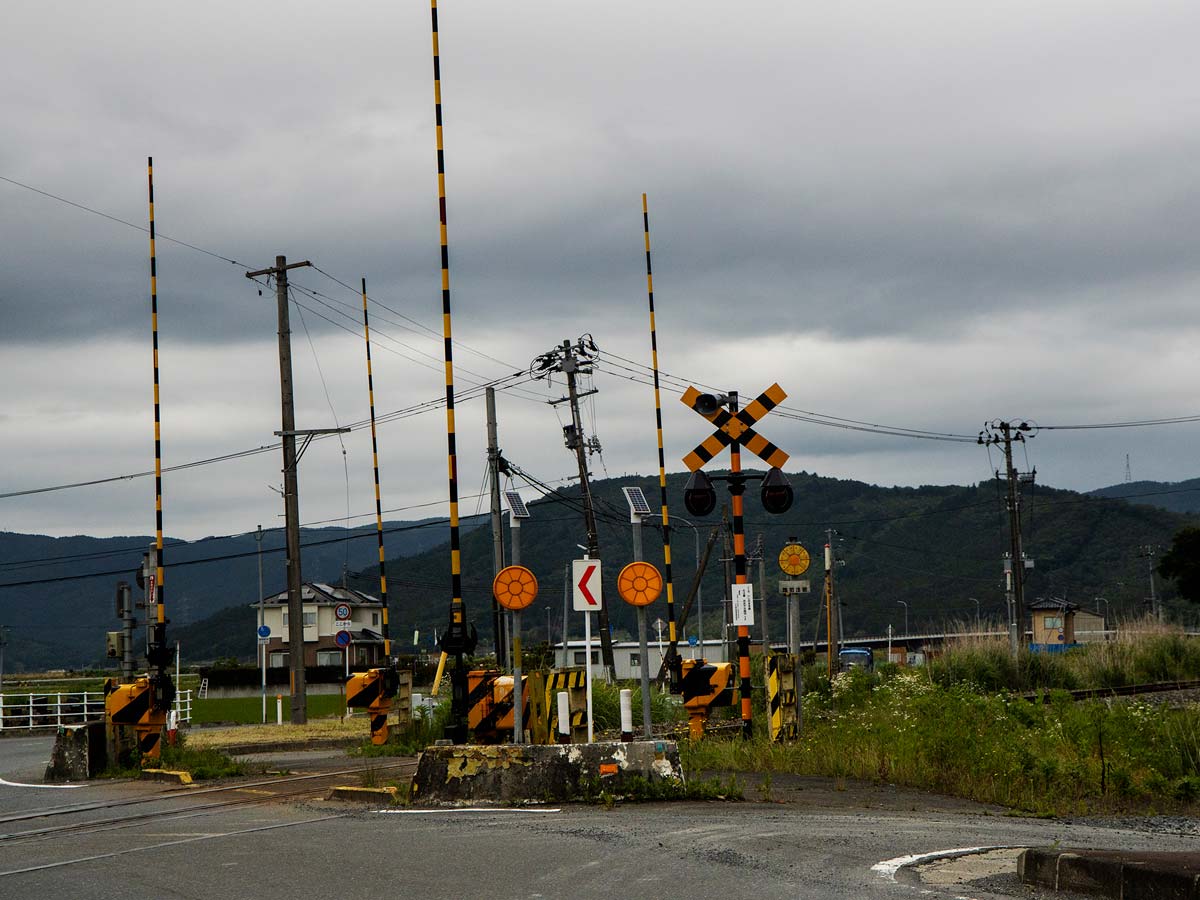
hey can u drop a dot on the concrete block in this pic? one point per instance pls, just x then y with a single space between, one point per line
1039 866
170 776
520 773
1091 874
364 794
1155 882
79 753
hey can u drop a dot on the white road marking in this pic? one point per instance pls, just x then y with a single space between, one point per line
889 867
466 809
52 787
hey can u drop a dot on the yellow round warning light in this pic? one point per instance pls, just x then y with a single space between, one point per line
639 584
514 587
793 559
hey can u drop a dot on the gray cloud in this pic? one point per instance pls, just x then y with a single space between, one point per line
924 217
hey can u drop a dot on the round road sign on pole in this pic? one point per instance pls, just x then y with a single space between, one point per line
341 612
515 587
342 638
639 584
264 631
793 559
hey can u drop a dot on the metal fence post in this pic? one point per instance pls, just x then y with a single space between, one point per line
58 710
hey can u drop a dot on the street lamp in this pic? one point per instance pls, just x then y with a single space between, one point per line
699 600
905 605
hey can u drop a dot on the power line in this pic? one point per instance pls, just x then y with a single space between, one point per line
159 235
403 413
229 556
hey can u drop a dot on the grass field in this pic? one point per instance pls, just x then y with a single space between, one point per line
248 710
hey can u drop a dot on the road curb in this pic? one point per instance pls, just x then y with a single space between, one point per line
1117 874
364 794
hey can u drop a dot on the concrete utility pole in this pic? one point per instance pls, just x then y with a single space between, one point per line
832 617
752 556
291 500
4 629
1149 551
128 618
1006 434
647 730
572 359
494 461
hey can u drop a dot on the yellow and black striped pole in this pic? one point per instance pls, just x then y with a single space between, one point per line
387 643
457 640
736 488
662 464
159 596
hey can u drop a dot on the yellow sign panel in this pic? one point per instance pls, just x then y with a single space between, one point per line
639 584
515 587
794 560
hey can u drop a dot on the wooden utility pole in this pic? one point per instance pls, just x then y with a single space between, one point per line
291 498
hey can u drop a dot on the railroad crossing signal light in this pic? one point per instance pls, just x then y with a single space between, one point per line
698 494
776 492
114 644
708 404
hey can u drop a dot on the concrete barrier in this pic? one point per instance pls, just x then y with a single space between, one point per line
524 773
1120 874
79 753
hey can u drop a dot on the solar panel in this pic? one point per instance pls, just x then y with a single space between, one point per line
637 501
516 505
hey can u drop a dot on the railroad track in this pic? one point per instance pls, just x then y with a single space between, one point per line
180 803
1128 690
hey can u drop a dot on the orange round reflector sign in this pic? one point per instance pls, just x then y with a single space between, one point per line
794 560
639 584
514 587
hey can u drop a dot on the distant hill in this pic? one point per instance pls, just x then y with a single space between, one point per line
1177 496
936 548
57 594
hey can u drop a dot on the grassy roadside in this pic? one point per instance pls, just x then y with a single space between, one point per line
1056 758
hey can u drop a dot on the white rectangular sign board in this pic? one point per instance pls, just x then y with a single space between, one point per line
743 604
339 624
586 592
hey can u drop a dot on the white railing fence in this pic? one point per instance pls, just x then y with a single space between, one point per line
26 712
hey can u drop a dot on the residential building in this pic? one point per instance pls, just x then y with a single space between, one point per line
321 627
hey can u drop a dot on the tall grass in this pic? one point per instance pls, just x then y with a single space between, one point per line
1058 757
1141 651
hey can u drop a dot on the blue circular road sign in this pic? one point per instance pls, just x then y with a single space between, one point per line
264 631
342 639
693 640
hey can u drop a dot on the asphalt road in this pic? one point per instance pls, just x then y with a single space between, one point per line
820 842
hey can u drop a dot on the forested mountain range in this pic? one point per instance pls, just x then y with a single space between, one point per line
936 548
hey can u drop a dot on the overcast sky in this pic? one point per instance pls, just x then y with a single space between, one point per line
924 215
